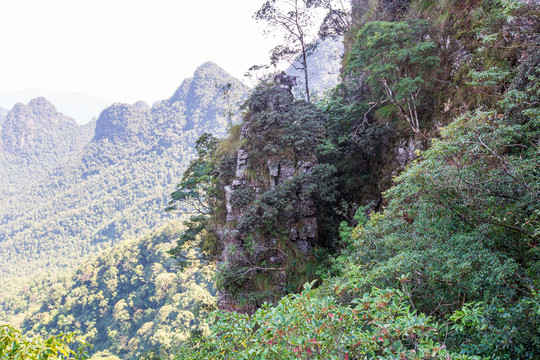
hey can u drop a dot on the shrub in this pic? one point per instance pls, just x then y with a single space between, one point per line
13 345
304 326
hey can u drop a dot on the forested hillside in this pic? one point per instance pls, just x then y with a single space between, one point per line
114 188
132 298
397 217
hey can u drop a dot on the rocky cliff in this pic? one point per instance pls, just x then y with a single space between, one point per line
272 185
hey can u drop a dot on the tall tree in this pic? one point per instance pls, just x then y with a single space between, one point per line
296 19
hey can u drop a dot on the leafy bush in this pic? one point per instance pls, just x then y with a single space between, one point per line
463 223
305 326
13 345
242 197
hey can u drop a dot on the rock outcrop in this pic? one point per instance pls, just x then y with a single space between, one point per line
270 222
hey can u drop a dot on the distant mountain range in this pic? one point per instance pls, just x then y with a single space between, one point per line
35 138
68 191
81 107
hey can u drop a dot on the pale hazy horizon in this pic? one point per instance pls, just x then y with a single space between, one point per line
125 50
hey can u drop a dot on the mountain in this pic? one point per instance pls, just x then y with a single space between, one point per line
37 126
81 107
35 138
114 188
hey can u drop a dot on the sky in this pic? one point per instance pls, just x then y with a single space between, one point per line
125 50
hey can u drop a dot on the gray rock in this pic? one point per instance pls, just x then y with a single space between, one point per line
242 164
273 167
307 208
293 234
308 228
304 247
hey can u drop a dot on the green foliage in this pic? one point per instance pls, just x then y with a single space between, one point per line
463 222
198 180
356 147
131 299
241 198
280 126
13 345
198 193
305 326
359 219
397 62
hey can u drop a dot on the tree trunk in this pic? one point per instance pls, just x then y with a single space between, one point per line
304 60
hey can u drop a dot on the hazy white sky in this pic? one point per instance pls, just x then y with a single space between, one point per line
124 50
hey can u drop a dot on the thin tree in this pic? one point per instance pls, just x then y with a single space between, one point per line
231 98
296 19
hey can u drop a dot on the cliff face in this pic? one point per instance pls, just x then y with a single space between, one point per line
270 226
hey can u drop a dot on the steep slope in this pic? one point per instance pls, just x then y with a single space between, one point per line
115 188
264 191
272 200
130 299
